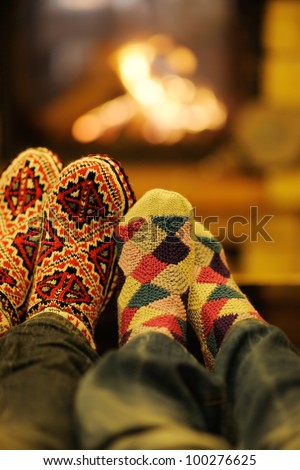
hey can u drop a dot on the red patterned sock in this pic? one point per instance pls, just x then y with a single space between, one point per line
155 266
75 269
23 187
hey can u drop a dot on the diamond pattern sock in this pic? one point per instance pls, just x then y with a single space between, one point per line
215 303
156 258
75 269
23 187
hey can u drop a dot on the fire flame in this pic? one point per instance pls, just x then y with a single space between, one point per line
160 96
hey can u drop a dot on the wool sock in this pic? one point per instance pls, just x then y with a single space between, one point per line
75 271
23 188
155 266
216 303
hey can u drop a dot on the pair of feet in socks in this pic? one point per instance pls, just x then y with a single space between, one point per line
69 236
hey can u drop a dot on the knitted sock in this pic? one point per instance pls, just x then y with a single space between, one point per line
155 266
75 269
216 303
23 187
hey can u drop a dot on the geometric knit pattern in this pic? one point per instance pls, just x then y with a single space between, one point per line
155 266
75 271
215 303
23 188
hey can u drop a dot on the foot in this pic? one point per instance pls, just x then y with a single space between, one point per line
155 266
75 268
23 188
216 303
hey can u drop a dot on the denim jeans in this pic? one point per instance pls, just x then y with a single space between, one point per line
261 372
57 393
41 363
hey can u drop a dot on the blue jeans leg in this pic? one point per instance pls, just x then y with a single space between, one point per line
261 370
41 362
150 394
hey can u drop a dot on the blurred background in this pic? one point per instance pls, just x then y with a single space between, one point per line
197 96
